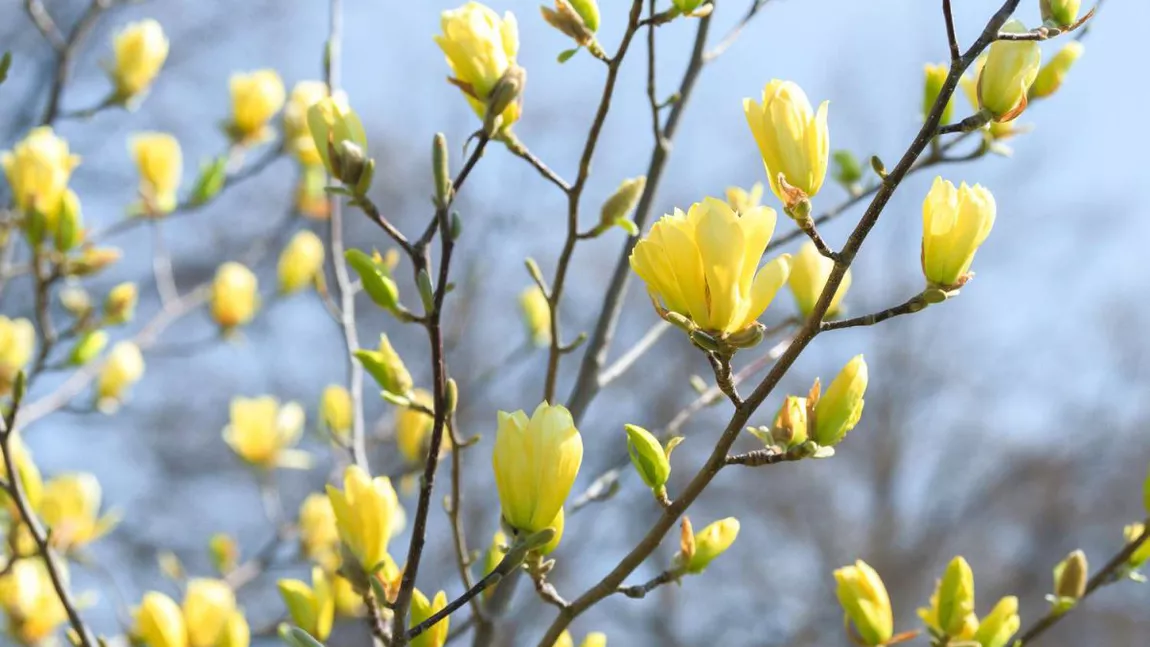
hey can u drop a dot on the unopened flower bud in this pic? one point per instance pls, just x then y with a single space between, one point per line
88 347
224 552
440 161
234 298
935 78
120 304
566 19
69 222
1010 69
335 410
536 312
1000 625
709 543
955 597
376 279
619 206
386 367
1070 576
1051 75
300 262
1060 13
790 427
507 91
839 409
863 597
648 457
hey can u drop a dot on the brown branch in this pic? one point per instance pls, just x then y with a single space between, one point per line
951 38
640 591
736 31
66 53
1046 33
573 196
910 306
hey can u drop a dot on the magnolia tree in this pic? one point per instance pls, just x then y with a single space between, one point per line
711 269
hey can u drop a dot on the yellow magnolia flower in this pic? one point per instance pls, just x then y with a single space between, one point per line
256 98
793 140
27 472
742 200
1006 77
312 608
140 50
159 622
38 170
703 265
335 409
840 408
935 78
809 273
1000 625
709 543
297 135
301 261
929 616
594 639
1051 75
29 599
365 513
123 368
70 506
341 143
262 432
536 460
954 223
236 632
208 606
865 601
481 49
234 298
422 609
160 163
413 429
318 534
995 132
536 313
17 341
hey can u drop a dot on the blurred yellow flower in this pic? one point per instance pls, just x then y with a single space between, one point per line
422 609
29 599
123 367
28 473
262 432
865 601
535 460
318 534
160 164
348 603
208 606
743 200
301 261
536 313
17 341
955 223
234 299
365 513
159 622
794 142
70 506
1051 75
297 135
809 273
312 608
38 170
413 429
935 78
335 410
120 304
340 141
480 48
140 51
704 265
256 98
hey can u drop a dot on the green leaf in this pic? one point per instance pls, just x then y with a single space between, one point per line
5 64
566 54
212 177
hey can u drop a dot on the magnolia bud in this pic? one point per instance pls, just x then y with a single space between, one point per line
507 90
120 304
88 347
440 170
566 19
1060 13
224 552
840 407
648 457
955 596
1070 576
69 225
1051 75
935 78
998 626
386 367
790 428
375 278
711 542
619 206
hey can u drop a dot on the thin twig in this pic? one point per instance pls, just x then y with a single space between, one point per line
736 31
1107 575
65 55
912 305
489 580
44 24
640 591
951 38
628 359
162 267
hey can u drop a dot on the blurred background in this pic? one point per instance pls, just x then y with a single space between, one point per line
1008 425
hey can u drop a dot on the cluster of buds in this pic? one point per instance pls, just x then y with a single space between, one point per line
813 425
698 550
578 20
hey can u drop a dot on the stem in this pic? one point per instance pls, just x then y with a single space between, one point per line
489 580
951 38
912 305
66 52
